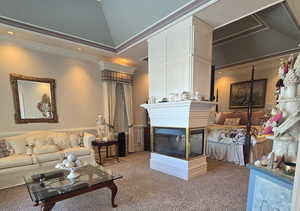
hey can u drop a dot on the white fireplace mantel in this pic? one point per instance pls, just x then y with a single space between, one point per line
184 114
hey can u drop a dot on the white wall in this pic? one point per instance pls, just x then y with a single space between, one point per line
78 86
264 69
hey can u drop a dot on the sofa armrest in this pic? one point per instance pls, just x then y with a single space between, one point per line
87 140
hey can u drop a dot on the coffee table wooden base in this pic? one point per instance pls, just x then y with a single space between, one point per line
47 205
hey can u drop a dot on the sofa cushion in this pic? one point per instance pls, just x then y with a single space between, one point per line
15 161
45 149
78 151
17 143
42 158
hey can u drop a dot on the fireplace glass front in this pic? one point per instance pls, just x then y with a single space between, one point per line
178 142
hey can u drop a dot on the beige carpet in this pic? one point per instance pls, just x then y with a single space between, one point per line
224 187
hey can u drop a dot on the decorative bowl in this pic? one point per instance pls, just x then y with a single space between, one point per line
289 168
71 164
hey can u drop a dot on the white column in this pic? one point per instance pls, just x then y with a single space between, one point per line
180 59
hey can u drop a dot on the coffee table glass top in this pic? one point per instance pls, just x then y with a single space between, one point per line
45 185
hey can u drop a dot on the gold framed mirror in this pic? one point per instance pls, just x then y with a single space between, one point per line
34 99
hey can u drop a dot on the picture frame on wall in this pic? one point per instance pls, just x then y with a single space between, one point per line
240 94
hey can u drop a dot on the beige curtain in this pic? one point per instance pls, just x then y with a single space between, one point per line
128 102
121 122
109 88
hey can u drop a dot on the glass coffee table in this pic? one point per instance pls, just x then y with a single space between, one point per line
47 188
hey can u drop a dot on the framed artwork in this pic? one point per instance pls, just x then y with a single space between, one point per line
240 94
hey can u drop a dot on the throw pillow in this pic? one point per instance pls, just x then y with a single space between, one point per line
244 118
221 116
17 144
87 139
61 140
38 140
4 151
232 121
258 117
45 149
74 140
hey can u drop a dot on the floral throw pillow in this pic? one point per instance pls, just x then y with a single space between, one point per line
232 121
4 151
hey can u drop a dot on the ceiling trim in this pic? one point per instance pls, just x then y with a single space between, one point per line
248 14
48 32
281 53
188 8
261 25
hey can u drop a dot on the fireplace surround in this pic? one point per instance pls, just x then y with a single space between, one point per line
178 143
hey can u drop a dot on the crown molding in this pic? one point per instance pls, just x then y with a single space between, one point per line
53 33
281 53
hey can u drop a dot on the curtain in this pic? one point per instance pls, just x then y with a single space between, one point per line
109 88
121 122
128 102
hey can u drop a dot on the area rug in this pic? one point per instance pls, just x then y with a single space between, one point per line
224 187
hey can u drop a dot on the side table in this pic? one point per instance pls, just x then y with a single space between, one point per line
99 144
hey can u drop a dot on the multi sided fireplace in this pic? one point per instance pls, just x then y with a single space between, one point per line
178 137
183 143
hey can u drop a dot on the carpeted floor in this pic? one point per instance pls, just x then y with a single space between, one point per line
224 187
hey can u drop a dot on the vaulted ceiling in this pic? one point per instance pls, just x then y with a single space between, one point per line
123 26
109 22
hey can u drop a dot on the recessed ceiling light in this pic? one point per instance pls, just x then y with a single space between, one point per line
79 49
10 33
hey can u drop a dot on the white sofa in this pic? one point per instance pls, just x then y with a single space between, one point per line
40 151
